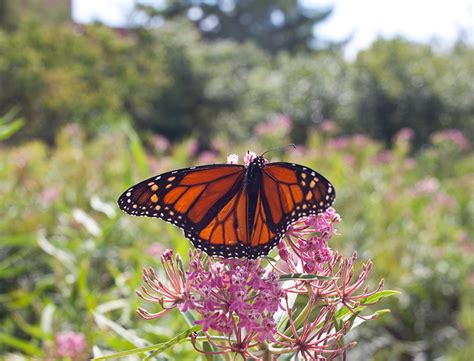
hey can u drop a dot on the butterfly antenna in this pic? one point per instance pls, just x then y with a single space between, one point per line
279 148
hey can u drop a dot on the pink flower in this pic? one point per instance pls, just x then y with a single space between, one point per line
193 148
49 195
328 126
281 124
233 159
405 135
71 345
155 249
225 293
207 156
168 296
339 143
454 136
385 156
428 185
249 157
160 142
308 239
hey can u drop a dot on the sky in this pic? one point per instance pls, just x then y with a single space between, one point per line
364 20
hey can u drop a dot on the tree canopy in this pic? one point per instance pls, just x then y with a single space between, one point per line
274 25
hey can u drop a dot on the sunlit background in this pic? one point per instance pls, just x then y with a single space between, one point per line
96 95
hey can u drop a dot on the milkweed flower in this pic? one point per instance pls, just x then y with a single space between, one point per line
242 301
68 346
301 303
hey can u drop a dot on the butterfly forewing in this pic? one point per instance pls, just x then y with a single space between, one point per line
184 197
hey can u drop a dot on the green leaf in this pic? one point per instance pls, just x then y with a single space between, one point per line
189 317
156 349
19 344
302 276
344 311
6 131
138 153
379 295
9 125
128 335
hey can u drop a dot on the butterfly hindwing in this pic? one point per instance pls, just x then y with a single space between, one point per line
293 191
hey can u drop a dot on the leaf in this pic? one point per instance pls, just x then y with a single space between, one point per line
9 125
344 311
65 257
25 346
302 276
46 323
379 295
158 348
189 317
138 153
128 335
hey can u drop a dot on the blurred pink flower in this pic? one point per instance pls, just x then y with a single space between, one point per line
360 140
427 185
339 142
49 195
349 159
160 142
451 135
155 249
72 345
193 147
279 124
385 156
328 126
444 201
410 163
405 135
206 157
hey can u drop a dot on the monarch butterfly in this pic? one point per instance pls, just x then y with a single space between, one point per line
231 210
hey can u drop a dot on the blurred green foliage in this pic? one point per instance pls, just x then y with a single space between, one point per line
169 81
70 261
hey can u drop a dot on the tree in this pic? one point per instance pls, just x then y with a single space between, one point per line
48 11
273 24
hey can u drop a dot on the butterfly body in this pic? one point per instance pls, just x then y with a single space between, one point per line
230 210
252 182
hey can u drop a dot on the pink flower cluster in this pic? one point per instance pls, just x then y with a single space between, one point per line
228 295
68 345
247 307
234 289
308 239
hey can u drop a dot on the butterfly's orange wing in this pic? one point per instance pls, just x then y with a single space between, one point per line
211 203
287 193
192 198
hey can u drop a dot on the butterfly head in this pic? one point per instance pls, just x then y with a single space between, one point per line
258 161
